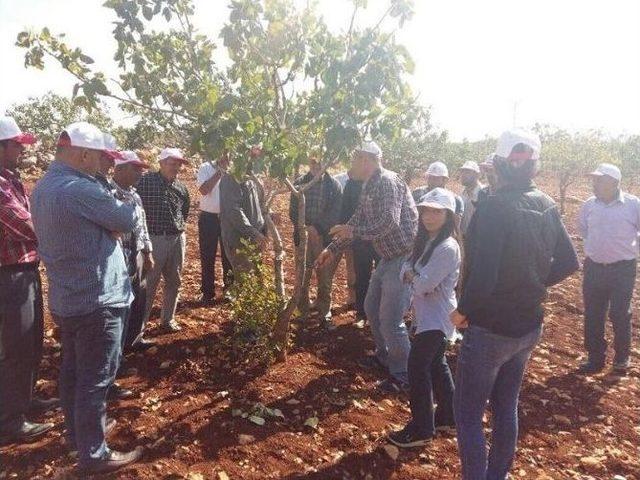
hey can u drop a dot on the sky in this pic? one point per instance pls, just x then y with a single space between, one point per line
482 66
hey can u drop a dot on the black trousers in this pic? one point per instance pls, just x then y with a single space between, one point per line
608 288
133 328
364 260
21 339
429 379
209 236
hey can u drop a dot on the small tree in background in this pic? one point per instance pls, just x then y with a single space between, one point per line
569 157
410 152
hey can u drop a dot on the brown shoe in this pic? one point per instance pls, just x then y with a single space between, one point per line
114 461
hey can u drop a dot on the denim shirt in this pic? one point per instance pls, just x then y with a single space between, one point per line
74 217
433 287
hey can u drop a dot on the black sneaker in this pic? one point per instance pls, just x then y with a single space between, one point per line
24 432
406 438
393 386
142 345
590 368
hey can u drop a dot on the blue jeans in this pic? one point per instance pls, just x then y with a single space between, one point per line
387 300
490 367
91 347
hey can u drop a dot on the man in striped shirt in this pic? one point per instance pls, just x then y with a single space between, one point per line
387 216
21 315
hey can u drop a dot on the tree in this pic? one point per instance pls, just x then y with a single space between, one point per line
293 86
569 157
416 147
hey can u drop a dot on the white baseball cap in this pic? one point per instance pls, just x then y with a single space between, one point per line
172 153
515 136
130 157
471 165
83 135
440 198
438 169
9 130
609 170
370 147
111 147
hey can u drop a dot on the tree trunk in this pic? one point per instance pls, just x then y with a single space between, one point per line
278 255
281 329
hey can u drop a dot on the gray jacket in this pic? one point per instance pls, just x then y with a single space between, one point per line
240 213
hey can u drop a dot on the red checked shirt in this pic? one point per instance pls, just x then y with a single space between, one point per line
17 238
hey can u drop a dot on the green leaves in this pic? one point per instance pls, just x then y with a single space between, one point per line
292 84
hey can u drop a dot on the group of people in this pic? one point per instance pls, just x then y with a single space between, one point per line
107 230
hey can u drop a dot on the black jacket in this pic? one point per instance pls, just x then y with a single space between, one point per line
516 247
350 199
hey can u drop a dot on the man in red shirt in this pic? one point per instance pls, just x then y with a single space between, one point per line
21 310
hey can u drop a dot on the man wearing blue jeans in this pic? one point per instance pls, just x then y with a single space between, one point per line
77 224
516 247
386 215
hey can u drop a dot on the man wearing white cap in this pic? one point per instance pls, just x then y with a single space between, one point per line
137 246
517 247
469 178
21 313
437 177
387 216
210 229
609 223
166 203
77 223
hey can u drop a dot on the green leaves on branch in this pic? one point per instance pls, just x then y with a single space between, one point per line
293 85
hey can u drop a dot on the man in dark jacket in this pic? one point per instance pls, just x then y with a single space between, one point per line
516 248
241 217
322 211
